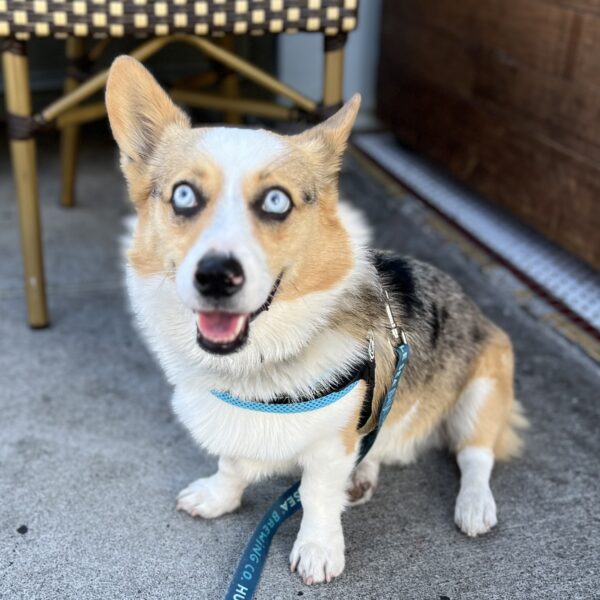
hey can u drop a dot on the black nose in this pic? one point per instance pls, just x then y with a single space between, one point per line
218 276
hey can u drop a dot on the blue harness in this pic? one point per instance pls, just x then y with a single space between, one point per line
286 408
247 575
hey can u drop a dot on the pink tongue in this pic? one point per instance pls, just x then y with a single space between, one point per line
220 326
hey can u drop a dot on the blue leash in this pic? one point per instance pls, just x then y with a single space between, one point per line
249 569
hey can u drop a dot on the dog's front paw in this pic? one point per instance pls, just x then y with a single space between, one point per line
206 498
317 561
475 511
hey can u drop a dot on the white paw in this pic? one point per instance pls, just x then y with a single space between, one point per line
363 483
316 561
475 511
205 498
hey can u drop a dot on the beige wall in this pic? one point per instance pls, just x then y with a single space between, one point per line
300 59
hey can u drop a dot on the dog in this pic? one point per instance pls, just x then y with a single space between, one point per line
248 276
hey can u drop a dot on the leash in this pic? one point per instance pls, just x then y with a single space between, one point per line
250 567
402 354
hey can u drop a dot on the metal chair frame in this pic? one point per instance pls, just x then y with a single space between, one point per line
71 110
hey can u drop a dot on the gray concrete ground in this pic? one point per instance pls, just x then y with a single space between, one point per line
91 457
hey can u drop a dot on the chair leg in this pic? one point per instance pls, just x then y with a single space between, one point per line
22 147
69 137
231 83
333 72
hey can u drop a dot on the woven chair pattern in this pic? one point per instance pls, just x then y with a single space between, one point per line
24 19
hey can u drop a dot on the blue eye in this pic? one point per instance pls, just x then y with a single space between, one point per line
186 200
276 202
184 196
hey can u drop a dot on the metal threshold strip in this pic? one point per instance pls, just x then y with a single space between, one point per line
562 279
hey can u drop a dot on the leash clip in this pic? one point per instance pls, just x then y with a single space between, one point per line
397 333
388 310
371 348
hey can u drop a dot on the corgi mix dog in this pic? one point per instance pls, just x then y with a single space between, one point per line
247 275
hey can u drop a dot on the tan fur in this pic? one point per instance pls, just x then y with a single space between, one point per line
498 419
133 97
300 246
509 443
499 414
434 399
433 404
313 233
162 240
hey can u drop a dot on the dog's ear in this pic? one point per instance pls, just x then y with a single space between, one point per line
327 141
139 110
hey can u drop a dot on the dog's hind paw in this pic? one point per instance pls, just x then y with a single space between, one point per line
318 562
363 483
208 499
475 511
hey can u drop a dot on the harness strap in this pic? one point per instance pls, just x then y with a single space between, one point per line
330 393
249 569
367 441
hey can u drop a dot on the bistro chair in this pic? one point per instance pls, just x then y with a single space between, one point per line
208 25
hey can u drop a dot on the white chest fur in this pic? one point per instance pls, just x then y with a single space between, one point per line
256 372
226 430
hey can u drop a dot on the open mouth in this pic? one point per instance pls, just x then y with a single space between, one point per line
221 332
